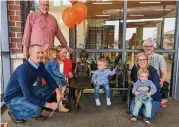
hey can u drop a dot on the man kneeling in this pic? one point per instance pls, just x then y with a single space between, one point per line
23 99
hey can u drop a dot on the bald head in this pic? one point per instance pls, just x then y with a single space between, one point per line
36 53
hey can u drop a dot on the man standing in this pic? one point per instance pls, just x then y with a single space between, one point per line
41 28
22 98
159 63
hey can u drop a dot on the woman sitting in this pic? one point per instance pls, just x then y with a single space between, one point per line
142 62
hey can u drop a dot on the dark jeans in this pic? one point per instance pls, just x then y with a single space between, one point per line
21 109
164 90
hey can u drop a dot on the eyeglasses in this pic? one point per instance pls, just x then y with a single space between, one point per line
45 5
140 60
151 46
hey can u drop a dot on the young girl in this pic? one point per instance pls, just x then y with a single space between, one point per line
82 72
53 68
65 65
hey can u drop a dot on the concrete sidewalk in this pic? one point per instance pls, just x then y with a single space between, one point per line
103 116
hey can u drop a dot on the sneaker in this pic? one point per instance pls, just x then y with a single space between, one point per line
163 104
147 120
98 103
108 101
134 118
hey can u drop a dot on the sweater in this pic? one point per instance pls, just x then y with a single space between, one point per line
101 77
22 80
148 83
153 76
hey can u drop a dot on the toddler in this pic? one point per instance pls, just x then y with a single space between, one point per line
100 79
143 97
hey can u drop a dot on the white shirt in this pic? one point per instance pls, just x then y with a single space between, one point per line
61 68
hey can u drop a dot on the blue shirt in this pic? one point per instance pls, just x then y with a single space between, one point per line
22 80
148 83
53 68
101 77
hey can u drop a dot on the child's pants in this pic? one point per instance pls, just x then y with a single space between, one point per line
63 90
138 105
98 86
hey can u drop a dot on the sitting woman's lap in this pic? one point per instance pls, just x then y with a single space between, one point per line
155 108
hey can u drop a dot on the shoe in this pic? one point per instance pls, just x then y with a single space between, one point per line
49 109
134 118
147 120
13 120
40 118
98 103
77 107
108 101
163 104
62 109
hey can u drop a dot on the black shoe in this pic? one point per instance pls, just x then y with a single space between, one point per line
13 120
77 107
49 109
134 118
147 120
40 118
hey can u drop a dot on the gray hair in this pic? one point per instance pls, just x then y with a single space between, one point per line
150 40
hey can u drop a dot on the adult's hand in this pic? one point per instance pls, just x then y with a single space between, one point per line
25 53
144 88
52 105
161 82
149 94
70 50
70 75
59 95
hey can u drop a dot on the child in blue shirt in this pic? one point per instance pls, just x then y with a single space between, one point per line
100 78
143 97
53 68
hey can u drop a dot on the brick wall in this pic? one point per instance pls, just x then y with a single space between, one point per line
15 25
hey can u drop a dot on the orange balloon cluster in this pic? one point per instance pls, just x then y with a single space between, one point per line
75 14
72 1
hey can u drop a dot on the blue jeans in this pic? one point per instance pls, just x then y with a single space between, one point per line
138 105
21 109
155 108
106 88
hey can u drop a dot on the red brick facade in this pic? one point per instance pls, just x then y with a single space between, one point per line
15 25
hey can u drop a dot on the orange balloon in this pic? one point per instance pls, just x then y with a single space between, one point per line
68 17
81 11
72 1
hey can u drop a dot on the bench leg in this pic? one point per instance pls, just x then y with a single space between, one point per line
69 97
